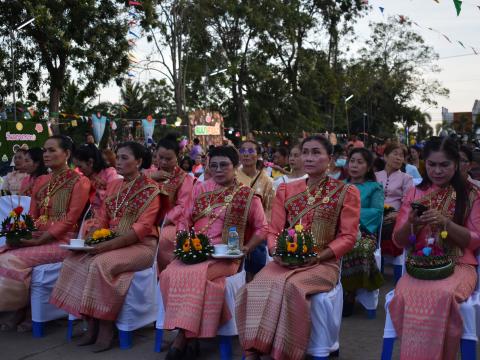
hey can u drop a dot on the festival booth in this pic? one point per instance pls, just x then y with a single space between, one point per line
207 126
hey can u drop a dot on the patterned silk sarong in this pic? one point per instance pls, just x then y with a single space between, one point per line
16 270
273 311
96 285
193 296
359 268
426 314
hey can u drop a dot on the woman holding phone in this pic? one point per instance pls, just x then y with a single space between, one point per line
443 209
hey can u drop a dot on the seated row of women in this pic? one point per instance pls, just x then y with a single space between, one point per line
273 310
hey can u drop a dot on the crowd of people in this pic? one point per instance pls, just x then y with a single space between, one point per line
345 195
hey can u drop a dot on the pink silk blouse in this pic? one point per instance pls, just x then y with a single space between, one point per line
146 223
395 186
182 198
256 222
472 223
78 200
348 218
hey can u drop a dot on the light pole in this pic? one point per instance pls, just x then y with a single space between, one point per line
12 54
346 113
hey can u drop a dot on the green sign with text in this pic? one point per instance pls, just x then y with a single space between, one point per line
14 135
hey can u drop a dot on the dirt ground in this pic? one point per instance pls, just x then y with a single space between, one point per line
360 338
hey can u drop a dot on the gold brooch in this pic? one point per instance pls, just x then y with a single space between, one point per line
228 198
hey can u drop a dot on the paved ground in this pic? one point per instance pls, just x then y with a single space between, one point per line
360 339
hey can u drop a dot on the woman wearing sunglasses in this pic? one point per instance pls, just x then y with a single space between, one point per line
194 293
249 175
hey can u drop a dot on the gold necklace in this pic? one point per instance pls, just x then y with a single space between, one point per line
212 218
228 198
117 206
311 199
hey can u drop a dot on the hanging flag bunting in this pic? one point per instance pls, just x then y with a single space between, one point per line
461 43
148 128
163 121
98 122
448 39
382 9
458 6
475 51
132 33
134 3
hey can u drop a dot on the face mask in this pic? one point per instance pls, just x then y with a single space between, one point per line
340 163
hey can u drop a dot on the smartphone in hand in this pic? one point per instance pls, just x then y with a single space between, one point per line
419 207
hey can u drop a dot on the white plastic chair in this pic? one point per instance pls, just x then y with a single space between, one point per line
326 318
43 281
139 308
471 323
8 203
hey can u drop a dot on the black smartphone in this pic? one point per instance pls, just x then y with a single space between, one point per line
420 208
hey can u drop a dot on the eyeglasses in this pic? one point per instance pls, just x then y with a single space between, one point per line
248 151
222 166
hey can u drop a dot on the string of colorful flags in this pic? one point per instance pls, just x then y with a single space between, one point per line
458 7
134 34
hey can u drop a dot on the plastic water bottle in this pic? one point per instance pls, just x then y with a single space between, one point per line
233 239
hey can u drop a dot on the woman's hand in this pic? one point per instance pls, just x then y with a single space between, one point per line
433 217
390 217
37 239
279 261
99 248
245 249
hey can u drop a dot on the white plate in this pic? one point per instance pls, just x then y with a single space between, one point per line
76 248
227 256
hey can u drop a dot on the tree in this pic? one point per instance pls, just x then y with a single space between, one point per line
86 38
171 34
389 75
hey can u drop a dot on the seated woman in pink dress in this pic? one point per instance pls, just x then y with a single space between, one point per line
425 313
34 167
57 204
193 295
395 183
13 180
175 191
273 311
89 160
94 285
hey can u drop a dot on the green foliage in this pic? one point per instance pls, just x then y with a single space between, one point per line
85 37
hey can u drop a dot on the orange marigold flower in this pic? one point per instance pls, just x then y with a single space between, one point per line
305 249
292 247
186 246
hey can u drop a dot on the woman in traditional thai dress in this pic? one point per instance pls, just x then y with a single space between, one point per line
262 184
193 295
425 313
395 185
466 161
89 160
93 285
34 167
58 202
296 164
13 180
359 269
175 191
273 311
249 175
